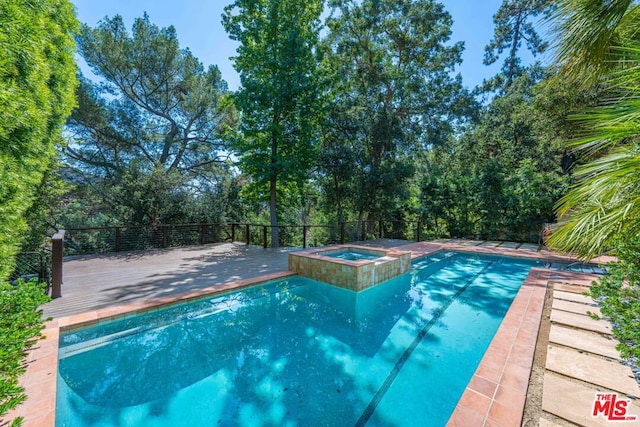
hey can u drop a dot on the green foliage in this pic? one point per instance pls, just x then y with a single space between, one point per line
37 80
148 140
603 202
20 323
501 178
280 94
490 194
598 43
513 26
534 192
42 216
587 30
602 205
392 98
446 202
618 294
519 178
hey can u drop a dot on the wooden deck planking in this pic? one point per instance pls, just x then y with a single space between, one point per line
92 283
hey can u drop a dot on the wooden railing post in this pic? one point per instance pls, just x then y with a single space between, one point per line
57 252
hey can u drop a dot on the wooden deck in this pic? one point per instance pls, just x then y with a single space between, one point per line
99 281
95 282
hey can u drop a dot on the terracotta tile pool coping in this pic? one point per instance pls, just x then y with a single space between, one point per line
497 391
495 395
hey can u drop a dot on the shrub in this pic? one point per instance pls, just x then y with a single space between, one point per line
37 84
20 324
619 296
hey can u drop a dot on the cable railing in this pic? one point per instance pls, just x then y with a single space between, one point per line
95 240
98 240
32 265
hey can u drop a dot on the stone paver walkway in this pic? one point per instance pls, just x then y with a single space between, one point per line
582 361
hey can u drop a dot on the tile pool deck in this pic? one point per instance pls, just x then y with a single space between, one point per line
495 396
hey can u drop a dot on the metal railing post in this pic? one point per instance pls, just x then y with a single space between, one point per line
419 234
203 233
165 236
264 236
57 252
42 271
233 231
342 233
304 236
247 234
118 237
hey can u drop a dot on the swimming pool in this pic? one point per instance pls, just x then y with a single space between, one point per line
295 352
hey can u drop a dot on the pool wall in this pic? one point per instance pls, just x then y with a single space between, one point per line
317 264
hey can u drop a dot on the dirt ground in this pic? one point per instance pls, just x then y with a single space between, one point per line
533 405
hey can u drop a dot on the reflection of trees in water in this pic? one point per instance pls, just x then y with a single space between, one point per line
268 348
491 293
287 351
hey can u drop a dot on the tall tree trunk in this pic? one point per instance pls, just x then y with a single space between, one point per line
273 212
275 236
361 225
513 54
336 184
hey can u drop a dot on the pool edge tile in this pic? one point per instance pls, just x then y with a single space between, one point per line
465 417
39 382
483 386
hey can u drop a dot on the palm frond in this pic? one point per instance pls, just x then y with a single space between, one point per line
604 203
586 30
617 117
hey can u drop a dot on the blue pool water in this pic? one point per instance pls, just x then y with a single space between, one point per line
295 352
350 255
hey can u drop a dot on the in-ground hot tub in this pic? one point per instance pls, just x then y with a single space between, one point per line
350 266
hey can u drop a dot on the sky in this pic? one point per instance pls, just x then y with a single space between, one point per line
198 26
